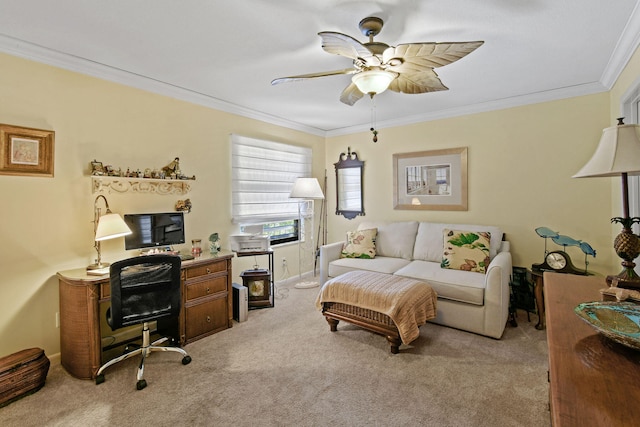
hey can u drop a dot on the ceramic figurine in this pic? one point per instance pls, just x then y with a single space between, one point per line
214 243
184 205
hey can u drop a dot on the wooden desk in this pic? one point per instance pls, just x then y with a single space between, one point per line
593 380
206 309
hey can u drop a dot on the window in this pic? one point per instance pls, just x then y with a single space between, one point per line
442 174
263 173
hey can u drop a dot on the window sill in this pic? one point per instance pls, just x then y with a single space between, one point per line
282 245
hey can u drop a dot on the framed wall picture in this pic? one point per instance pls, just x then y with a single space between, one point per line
431 180
26 151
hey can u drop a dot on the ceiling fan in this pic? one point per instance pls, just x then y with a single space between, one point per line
406 68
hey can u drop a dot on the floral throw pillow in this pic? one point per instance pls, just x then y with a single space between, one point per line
360 244
466 250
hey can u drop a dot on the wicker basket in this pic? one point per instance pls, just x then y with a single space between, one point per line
22 373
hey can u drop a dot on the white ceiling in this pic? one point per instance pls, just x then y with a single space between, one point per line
224 54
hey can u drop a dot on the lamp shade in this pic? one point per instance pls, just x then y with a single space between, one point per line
306 188
618 152
111 226
373 81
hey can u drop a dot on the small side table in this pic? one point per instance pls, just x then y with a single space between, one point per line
538 291
271 302
538 288
522 297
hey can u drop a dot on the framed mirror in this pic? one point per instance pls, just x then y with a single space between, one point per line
349 173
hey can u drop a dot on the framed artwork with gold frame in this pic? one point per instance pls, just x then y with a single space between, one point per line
431 180
26 151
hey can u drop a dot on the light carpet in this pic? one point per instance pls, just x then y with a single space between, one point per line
283 367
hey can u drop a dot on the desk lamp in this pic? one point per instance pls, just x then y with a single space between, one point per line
305 189
618 154
105 227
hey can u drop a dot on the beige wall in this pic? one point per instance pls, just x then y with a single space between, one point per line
520 166
520 163
46 223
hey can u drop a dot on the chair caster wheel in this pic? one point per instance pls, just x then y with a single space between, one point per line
141 384
186 360
100 379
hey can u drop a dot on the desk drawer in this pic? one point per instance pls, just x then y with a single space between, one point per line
206 318
204 287
203 270
105 291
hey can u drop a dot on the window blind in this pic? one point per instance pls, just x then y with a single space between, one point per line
263 173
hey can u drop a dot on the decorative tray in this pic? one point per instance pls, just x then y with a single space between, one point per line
619 321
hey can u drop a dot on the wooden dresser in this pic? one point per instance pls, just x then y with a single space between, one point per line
593 381
206 309
207 298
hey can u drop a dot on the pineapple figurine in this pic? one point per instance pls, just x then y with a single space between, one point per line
627 247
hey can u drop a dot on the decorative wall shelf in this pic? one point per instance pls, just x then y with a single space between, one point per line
119 184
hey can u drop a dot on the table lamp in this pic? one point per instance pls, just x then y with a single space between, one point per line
305 189
618 154
105 227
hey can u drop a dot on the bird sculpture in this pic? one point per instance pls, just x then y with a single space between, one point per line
565 241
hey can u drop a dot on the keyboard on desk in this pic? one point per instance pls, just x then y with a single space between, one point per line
183 256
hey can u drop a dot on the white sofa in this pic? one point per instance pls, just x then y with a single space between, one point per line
470 301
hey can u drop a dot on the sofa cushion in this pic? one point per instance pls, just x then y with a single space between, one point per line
429 242
456 285
379 264
360 244
465 250
395 239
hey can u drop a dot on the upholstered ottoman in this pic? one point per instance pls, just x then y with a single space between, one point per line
389 305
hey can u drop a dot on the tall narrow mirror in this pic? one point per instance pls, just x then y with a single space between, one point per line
349 172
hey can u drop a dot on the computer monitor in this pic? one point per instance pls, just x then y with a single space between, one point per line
154 230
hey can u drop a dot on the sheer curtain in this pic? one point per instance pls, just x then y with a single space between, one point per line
263 173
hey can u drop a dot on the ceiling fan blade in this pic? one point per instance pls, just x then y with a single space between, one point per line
419 82
351 94
313 75
344 45
414 57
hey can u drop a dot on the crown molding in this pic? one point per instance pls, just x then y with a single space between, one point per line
500 104
33 52
625 48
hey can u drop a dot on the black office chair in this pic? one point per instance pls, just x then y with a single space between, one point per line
144 289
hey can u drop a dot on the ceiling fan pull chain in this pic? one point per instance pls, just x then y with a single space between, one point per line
373 119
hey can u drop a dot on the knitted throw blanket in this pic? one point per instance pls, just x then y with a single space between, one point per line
408 302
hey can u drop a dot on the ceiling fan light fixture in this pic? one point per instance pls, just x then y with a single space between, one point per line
373 82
